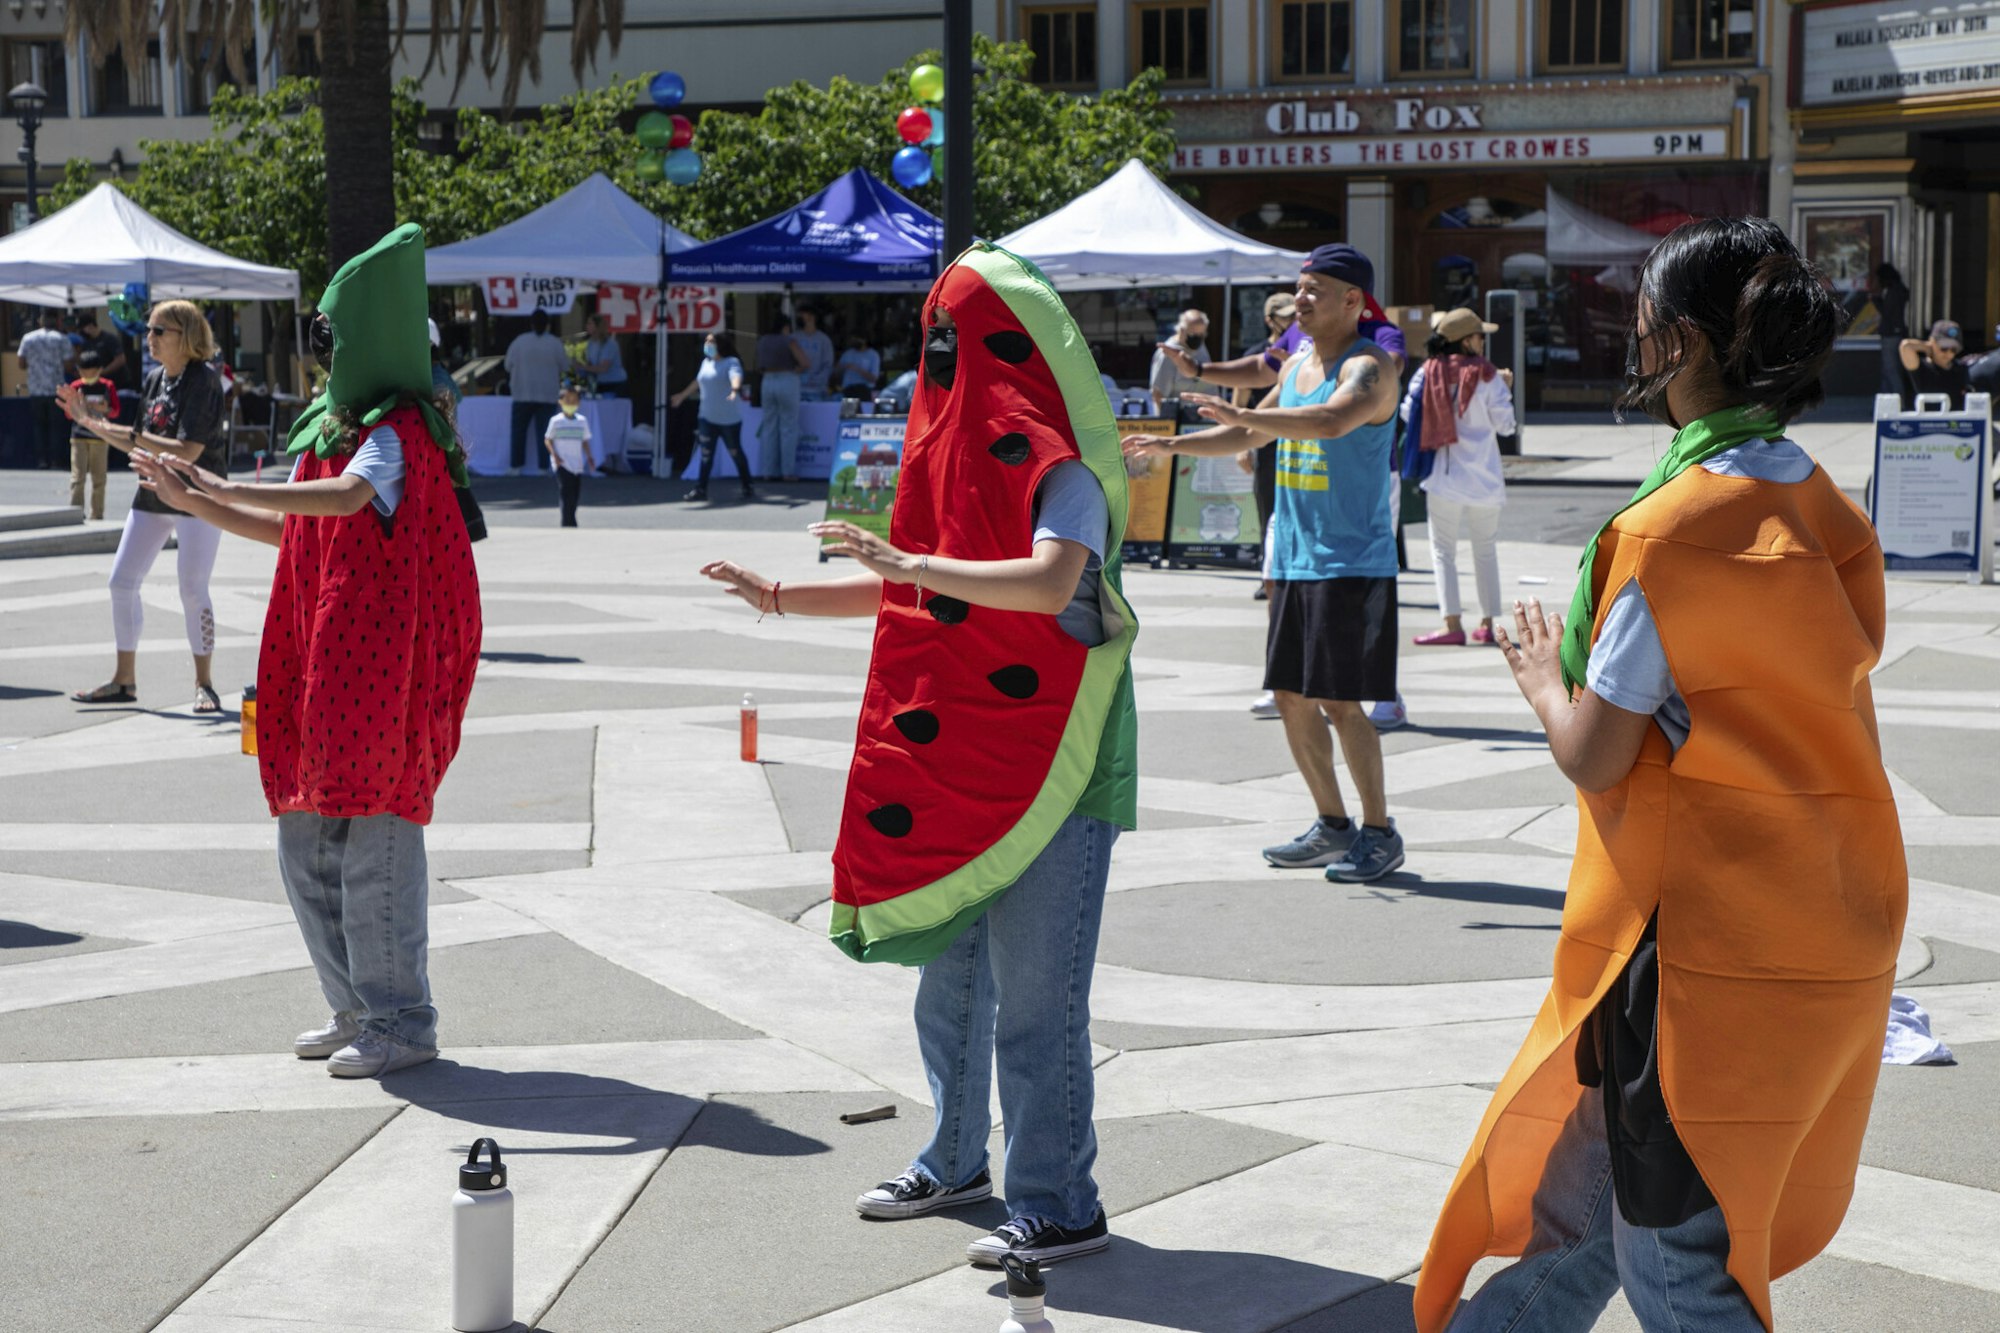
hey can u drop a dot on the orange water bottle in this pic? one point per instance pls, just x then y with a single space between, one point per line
249 713
749 716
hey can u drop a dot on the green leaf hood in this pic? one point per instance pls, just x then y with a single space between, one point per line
377 305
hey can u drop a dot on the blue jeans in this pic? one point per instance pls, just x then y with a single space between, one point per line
1016 984
360 889
778 433
1582 1251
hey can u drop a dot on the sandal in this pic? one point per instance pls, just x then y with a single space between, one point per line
111 692
205 699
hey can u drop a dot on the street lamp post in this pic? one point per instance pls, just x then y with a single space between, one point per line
26 102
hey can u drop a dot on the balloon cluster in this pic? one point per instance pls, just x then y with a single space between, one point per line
665 135
920 129
128 309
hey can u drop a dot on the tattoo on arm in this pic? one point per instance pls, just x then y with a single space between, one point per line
1365 376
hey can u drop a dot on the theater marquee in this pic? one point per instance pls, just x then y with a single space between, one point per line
1708 142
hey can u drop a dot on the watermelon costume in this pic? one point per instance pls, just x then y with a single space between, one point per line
982 731
373 630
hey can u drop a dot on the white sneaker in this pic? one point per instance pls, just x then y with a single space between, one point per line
372 1055
513 472
1265 706
322 1042
1389 714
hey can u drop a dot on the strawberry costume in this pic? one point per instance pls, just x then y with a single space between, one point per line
369 649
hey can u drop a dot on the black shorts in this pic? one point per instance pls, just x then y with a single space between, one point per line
1333 639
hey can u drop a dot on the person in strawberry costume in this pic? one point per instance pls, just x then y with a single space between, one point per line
369 649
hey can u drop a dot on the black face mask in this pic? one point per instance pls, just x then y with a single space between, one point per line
941 355
319 340
1193 341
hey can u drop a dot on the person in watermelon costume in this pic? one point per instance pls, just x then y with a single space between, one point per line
995 762
1685 1117
369 649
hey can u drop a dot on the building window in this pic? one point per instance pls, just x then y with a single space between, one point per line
1174 38
1707 32
302 61
39 60
1433 38
1314 40
199 80
116 91
1065 45
1584 34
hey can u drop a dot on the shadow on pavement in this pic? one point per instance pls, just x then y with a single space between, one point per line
1192 1289
547 1101
21 935
8 692
529 659
1524 736
1474 891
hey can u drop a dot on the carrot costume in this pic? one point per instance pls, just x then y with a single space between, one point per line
1766 848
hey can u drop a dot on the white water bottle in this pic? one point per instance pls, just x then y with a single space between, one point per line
1025 1293
482 1244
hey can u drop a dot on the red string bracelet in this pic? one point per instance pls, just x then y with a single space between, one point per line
776 605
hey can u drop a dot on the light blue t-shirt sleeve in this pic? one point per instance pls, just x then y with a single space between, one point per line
379 461
1070 506
1628 663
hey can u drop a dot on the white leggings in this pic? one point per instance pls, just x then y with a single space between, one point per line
145 537
1480 524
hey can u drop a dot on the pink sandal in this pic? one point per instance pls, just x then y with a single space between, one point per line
1483 634
1439 637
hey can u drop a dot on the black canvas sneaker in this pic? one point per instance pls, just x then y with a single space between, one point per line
911 1195
1043 1242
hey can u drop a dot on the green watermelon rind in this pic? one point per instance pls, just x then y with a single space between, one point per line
917 926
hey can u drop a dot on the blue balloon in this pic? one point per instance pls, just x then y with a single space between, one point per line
911 167
683 166
935 139
667 89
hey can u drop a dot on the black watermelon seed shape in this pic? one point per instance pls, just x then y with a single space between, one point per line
1016 682
919 725
1011 448
1010 345
947 610
892 821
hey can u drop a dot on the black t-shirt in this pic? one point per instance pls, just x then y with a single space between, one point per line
191 408
1951 380
1893 304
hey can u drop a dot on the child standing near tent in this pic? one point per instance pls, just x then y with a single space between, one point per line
89 457
567 439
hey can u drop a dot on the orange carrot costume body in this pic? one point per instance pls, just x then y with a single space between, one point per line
1769 847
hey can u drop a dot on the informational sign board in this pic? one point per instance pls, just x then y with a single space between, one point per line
524 294
1149 486
1877 51
1213 516
1930 497
867 464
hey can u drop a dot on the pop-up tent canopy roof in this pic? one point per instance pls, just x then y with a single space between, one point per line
855 232
85 254
1132 231
594 233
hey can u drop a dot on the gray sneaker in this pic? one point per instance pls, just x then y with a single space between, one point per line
371 1055
322 1042
1320 845
1369 857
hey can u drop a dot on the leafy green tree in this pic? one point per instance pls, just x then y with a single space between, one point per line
1033 150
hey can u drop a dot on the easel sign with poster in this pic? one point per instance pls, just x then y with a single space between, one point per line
1149 486
1212 519
1931 494
867 465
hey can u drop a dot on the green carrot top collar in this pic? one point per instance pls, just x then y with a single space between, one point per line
1693 444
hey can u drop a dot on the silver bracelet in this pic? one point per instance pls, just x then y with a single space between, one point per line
923 567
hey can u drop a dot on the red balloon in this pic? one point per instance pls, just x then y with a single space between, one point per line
914 125
683 133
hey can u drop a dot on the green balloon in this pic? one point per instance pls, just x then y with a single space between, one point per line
656 129
927 83
652 167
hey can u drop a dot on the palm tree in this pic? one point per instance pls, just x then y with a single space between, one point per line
357 41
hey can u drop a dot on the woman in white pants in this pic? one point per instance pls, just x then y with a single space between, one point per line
184 414
1467 403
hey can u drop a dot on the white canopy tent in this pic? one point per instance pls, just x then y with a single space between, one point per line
593 233
1132 231
1579 238
85 254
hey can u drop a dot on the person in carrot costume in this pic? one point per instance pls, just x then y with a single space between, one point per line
1685 1116
369 650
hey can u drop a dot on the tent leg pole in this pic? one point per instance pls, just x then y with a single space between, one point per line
660 365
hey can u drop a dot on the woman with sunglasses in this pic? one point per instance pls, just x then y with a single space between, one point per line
184 414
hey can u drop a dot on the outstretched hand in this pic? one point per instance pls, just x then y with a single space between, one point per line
162 474
1219 410
1184 363
1144 446
740 583
874 553
1535 651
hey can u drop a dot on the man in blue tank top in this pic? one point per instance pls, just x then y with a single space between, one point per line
1332 641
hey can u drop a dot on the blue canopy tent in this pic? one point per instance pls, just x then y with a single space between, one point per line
857 232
